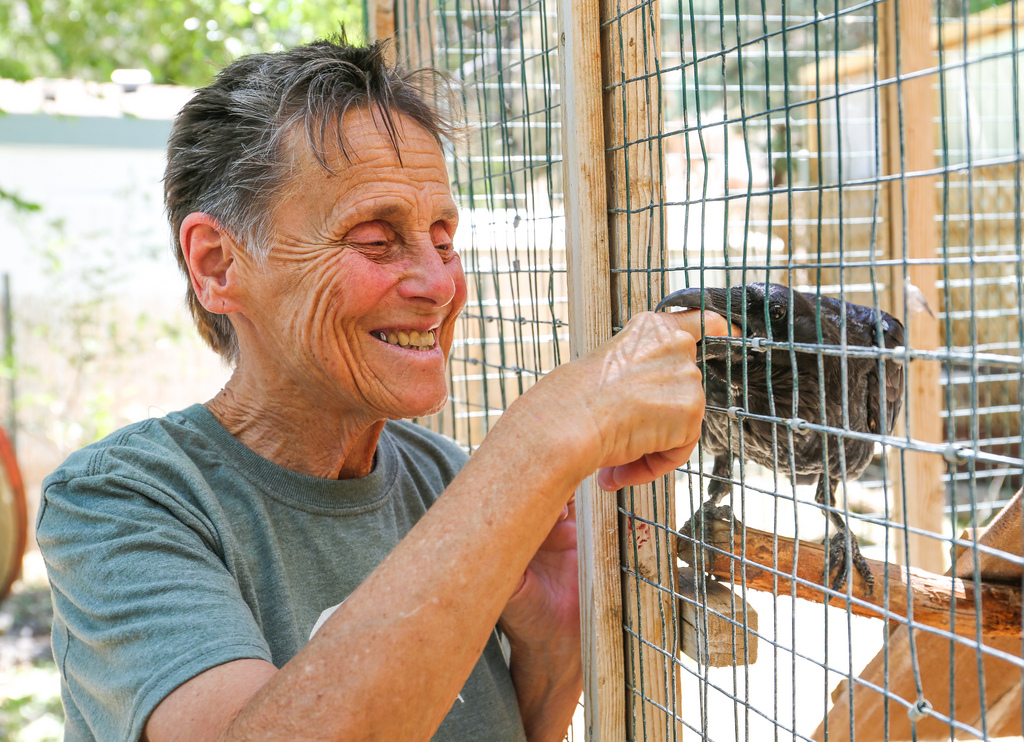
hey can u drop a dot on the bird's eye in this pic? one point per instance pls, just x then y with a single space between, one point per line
776 312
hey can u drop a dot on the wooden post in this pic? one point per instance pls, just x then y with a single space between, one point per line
630 51
908 107
413 27
380 19
587 256
717 627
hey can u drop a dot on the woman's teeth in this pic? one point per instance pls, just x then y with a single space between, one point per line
409 339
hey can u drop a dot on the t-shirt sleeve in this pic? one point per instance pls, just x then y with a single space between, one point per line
142 601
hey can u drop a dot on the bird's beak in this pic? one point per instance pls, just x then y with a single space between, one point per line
713 300
687 298
693 298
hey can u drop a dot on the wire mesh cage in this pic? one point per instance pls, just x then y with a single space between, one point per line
506 177
854 151
849 168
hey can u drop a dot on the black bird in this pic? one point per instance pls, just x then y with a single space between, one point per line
793 390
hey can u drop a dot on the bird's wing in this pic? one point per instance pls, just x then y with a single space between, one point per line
892 331
893 397
893 392
892 336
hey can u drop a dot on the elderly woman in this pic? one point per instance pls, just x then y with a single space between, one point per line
291 560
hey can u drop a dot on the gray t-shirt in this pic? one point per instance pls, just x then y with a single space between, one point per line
173 548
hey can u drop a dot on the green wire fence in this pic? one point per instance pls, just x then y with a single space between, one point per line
868 151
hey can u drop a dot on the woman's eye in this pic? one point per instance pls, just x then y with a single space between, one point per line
442 239
370 233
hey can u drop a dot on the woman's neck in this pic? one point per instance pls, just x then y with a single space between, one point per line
290 431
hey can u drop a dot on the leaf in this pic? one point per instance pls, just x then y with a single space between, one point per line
17 202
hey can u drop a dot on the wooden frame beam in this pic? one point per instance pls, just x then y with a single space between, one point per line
380 19
908 107
986 687
630 44
589 290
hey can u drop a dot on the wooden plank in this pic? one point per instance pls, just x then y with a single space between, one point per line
1004 714
380 25
717 628
996 684
589 292
980 25
629 43
908 109
632 133
650 615
778 564
997 676
1004 534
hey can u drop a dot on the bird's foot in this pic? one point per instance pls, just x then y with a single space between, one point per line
709 512
839 562
707 522
700 527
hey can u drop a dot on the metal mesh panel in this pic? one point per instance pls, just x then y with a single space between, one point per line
506 177
790 158
863 151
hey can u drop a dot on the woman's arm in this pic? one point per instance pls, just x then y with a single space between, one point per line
391 660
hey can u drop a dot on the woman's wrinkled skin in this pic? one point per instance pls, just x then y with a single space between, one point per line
359 253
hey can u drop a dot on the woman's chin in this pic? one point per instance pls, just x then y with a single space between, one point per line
420 405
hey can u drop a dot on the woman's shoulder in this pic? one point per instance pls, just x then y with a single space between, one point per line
162 443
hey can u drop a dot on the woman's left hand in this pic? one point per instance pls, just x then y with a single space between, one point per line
542 622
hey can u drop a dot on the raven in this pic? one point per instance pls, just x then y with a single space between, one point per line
791 384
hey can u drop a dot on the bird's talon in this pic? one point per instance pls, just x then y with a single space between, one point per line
838 559
839 582
694 527
722 512
865 571
837 562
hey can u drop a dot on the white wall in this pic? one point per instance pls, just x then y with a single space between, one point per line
136 355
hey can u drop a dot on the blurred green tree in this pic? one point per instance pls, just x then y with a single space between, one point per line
180 42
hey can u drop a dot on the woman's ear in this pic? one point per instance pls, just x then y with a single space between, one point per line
211 256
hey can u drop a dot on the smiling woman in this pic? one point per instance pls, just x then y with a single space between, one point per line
191 556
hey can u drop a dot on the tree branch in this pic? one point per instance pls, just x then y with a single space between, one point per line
764 561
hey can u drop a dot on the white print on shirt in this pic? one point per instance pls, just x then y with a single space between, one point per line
330 612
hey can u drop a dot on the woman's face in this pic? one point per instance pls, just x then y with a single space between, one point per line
356 305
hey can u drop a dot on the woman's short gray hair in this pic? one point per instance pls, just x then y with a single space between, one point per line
231 148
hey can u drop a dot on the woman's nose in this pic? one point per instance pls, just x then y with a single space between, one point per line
429 276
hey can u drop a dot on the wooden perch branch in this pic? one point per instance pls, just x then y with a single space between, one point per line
717 627
770 562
